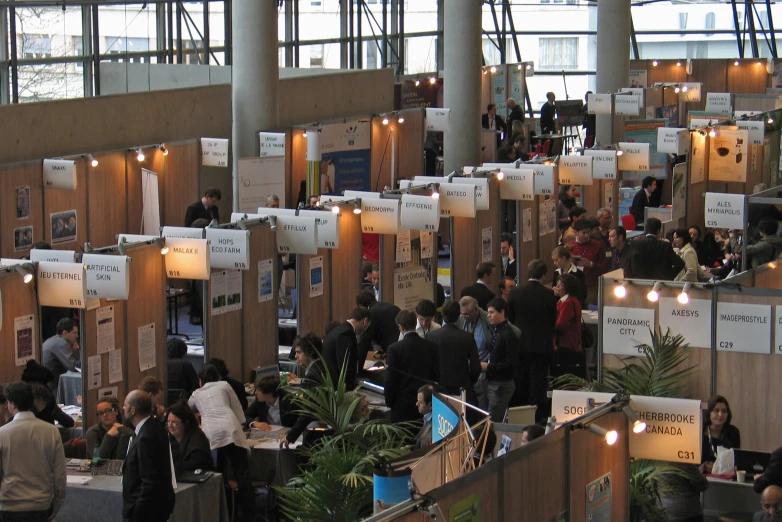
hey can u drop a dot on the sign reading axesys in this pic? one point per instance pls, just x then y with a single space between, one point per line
52 256
107 276
183 232
568 405
624 329
743 328
603 163
420 213
724 210
229 248
575 170
62 284
518 184
187 258
380 216
328 227
691 320
675 141
673 429
297 235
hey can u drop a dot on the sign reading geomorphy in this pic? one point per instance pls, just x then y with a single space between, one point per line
380 216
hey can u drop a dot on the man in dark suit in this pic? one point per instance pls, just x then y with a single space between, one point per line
772 475
147 490
620 251
480 290
307 348
651 257
533 309
382 330
272 406
340 347
508 256
411 363
492 121
641 199
503 361
460 366
205 208
366 277
516 114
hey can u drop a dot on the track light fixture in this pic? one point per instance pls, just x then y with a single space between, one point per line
385 120
357 207
678 63
335 209
212 224
139 154
433 80
610 436
161 244
242 225
654 62
273 223
92 160
684 88
620 290
435 193
712 132
736 63
27 270
417 83
684 298
654 294
401 119
492 69
87 248
121 247
639 426
163 150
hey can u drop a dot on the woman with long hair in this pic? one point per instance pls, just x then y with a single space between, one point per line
717 431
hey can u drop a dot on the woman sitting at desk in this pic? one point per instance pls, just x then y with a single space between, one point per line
109 437
718 431
189 446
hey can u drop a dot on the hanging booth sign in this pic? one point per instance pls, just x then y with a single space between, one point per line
624 329
214 152
59 174
724 210
627 105
482 190
380 216
187 258
271 211
420 213
544 180
693 320
755 130
603 163
673 429
229 248
328 227
62 284
690 92
638 92
599 103
518 184
351 194
297 235
635 156
438 120
107 276
672 140
575 170
719 102
135 238
744 328
272 144
455 200
729 156
183 232
568 405
52 256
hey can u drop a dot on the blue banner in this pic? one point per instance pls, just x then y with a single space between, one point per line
444 419
345 161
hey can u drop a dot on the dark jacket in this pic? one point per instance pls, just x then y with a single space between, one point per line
547 116
480 292
499 123
340 345
640 202
767 249
516 114
681 500
533 309
460 366
182 376
238 389
504 357
581 295
198 211
259 410
114 448
730 439
193 453
147 492
312 379
772 475
411 362
510 270
52 412
652 258
382 329
620 259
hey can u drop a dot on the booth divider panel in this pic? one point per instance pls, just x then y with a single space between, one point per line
380 153
224 335
749 77
768 277
107 189
26 175
179 183
387 267
713 74
487 487
146 305
291 192
155 162
528 250
345 266
591 198
465 252
491 219
546 243
298 167
315 313
410 145
18 300
58 200
260 319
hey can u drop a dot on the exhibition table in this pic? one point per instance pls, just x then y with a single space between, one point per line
69 389
728 496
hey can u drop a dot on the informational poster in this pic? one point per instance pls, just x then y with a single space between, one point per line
24 339
673 429
744 328
569 405
52 256
272 144
608 196
265 280
187 259
518 184
624 329
410 286
115 366
679 189
482 190
575 170
316 276
107 276
94 372
627 105
61 284
297 235
526 225
63 227
23 202
544 180
693 320
603 163
327 224
146 347
23 238
724 210
719 102
226 291
638 78
487 253
404 252
230 248
598 499
437 120
547 217
599 103
419 212
673 140
778 331
59 174
104 319
697 157
466 510
755 130
345 157
427 245
516 82
259 178
499 91
214 152
380 216
728 156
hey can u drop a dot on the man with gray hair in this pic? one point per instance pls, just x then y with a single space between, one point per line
516 114
605 217
272 201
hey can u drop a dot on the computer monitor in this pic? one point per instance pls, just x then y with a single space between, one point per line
753 462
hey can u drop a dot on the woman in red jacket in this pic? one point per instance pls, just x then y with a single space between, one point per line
569 356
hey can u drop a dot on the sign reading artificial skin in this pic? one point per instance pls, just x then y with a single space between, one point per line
420 213
328 227
724 210
272 144
380 216
603 163
183 232
107 276
728 156
59 174
52 256
297 235
575 170
599 103
214 152
635 156
544 180
458 200
624 329
691 320
673 429
675 141
230 248
568 405
743 328
719 103
482 190
518 184
62 284
627 105
438 120
778 331
755 130
188 258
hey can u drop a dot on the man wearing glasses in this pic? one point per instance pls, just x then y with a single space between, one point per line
108 439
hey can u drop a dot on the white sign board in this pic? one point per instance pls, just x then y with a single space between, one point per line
744 328
518 184
544 180
214 152
692 320
183 232
380 216
635 156
187 258
420 213
62 284
626 328
482 190
52 256
675 141
690 92
411 285
719 103
328 227
135 238
627 105
438 120
639 92
456 200
297 235
575 170
778 331
568 405
755 130
603 163
229 248
59 174
272 144
259 178
107 276
724 210
599 103
673 429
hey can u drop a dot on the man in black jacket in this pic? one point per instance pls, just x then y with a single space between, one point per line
641 199
485 273
272 407
340 347
532 308
411 363
382 330
147 490
651 257
772 475
205 208
508 256
492 121
460 366
501 367
307 348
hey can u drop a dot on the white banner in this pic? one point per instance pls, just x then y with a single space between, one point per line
183 232
724 210
692 320
271 144
728 156
635 156
438 120
59 174
627 105
380 216
599 103
675 141
187 258
575 170
214 152
719 103
603 163
229 248
518 184
744 328
107 276
673 429
626 328
544 180
755 130
568 405
52 256
456 200
420 213
313 145
297 235
62 284
482 193
328 227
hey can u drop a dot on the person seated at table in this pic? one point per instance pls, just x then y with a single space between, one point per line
717 431
518 145
154 387
189 446
362 411
181 374
272 406
771 505
46 409
772 475
680 494
5 413
506 154
109 436
235 385
424 405
483 450
531 432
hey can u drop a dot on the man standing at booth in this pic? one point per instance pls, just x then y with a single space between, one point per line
651 257
502 363
641 199
205 208
340 347
485 273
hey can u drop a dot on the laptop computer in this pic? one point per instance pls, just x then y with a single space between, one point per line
753 462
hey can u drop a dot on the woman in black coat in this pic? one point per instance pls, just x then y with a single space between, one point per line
189 446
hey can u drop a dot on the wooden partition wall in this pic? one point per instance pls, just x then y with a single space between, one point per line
224 335
260 319
18 301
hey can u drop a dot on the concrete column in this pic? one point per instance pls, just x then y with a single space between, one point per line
613 59
255 79
462 35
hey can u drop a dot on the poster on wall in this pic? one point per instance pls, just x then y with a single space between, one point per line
23 238
608 196
104 320
697 158
226 291
526 225
345 157
728 156
638 78
427 245
24 339
265 288
499 92
466 510
146 347
63 227
94 374
679 188
411 285
547 217
598 499
316 276
486 246
258 178
22 202
516 82
404 253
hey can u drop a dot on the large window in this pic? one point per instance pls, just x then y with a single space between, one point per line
316 56
557 54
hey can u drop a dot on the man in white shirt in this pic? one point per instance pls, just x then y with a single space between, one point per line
32 462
